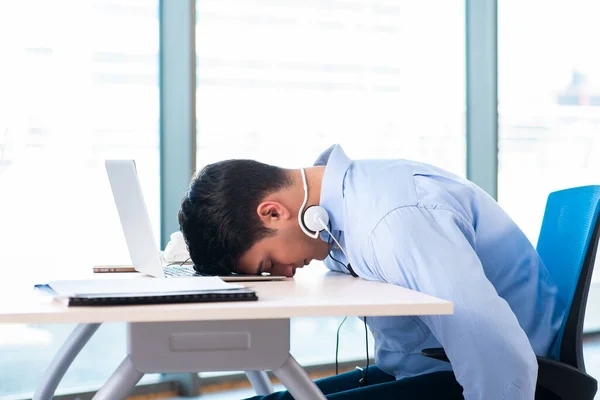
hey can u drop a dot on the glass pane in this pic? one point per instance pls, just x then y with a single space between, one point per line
549 103
549 106
79 84
280 82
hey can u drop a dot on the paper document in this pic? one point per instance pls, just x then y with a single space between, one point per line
140 286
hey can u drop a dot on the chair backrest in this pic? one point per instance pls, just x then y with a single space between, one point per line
567 245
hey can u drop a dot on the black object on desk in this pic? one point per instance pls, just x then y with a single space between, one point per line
112 292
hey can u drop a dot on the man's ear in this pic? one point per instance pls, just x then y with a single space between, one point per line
272 213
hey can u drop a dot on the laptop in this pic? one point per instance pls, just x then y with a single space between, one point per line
137 228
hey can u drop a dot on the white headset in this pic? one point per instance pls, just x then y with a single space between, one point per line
315 218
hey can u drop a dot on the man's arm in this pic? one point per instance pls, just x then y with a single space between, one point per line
430 250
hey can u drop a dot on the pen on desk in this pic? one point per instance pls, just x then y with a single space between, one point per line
113 268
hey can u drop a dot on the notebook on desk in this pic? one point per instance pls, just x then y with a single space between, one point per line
106 292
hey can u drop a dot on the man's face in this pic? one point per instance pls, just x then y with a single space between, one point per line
282 253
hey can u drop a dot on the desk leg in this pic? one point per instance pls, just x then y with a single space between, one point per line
121 382
260 382
297 381
63 360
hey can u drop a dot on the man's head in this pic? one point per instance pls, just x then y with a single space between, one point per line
241 216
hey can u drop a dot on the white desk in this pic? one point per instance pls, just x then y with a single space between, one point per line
252 336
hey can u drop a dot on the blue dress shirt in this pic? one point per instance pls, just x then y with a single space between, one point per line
417 226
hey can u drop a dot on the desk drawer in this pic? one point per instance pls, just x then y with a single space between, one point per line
156 347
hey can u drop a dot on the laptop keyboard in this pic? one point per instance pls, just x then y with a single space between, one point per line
180 270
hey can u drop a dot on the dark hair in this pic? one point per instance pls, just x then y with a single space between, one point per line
218 216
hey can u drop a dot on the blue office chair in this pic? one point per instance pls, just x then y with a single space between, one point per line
567 245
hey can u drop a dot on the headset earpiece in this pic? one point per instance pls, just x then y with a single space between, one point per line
315 218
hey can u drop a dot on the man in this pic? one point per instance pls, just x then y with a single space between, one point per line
402 222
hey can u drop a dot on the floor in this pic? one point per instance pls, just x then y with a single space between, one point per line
228 395
592 362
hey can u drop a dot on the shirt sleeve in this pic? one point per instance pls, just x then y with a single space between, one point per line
432 251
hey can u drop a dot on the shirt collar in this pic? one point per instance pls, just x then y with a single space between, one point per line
332 187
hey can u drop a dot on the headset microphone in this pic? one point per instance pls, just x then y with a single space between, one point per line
316 219
348 266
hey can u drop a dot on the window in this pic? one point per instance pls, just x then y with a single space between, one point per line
549 103
280 82
549 107
79 84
